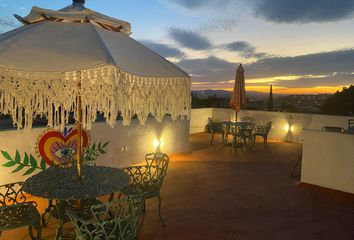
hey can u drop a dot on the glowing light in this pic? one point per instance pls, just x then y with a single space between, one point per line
292 128
287 128
156 144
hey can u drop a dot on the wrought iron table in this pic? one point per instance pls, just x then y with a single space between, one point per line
63 184
240 133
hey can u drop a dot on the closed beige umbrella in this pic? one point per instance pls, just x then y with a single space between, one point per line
238 97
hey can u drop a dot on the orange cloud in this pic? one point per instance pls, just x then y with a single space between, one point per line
228 86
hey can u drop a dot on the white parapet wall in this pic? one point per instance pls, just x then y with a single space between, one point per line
286 126
128 144
328 161
199 119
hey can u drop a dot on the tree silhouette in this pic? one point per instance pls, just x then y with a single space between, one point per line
341 103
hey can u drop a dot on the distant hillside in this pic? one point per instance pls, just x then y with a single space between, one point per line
223 93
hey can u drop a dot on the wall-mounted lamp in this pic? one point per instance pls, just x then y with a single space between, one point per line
286 128
158 144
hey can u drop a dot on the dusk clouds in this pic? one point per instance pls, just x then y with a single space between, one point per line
196 41
304 11
327 68
190 39
282 11
292 43
197 4
245 49
322 68
323 63
164 50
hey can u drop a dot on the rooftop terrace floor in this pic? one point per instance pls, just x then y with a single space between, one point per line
214 192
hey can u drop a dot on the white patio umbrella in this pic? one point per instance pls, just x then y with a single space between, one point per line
77 60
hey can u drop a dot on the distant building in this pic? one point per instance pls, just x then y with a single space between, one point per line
270 105
302 103
256 103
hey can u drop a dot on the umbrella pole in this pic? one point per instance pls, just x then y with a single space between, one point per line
236 116
79 138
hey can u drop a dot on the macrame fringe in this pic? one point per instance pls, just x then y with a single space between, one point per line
107 90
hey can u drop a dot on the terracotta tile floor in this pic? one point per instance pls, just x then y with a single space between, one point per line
213 192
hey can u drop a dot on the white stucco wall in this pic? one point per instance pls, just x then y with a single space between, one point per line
286 126
199 119
328 161
128 144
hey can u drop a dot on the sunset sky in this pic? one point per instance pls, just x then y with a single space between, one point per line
302 46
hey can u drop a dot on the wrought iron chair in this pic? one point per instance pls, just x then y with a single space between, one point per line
148 179
214 127
262 131
248 129
114 220
16 211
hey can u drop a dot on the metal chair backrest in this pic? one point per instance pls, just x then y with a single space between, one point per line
248 119
116 219
158 165
11 194
268 127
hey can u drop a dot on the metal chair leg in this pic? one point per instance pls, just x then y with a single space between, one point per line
162 221
212 138
39 232
266 142
61 212
254 141
47 211
111 197
44 223
295 167
223 137
30 231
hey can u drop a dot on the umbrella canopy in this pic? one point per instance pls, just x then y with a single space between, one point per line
238 97
58 56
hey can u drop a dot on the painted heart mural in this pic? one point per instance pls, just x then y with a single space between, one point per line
60 147
53 147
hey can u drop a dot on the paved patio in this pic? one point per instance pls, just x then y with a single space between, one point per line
214 192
